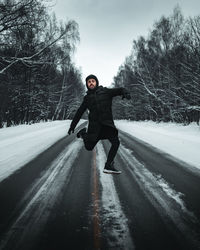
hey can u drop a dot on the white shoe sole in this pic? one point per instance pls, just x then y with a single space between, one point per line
111 172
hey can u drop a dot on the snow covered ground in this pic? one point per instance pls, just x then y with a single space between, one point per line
20 144
180 141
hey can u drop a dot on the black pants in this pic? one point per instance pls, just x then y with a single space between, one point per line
106 132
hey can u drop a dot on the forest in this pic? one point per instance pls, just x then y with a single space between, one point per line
162 73
39 81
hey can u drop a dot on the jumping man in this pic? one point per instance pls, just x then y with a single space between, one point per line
98 101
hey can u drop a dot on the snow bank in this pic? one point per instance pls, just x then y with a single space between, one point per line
180 141
21 144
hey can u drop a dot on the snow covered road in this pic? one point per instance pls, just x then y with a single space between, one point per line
63 200
21 144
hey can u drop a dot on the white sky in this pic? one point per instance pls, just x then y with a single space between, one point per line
108 27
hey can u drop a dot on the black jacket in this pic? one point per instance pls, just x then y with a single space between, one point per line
99 104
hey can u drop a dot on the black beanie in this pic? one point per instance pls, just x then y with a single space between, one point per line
92 77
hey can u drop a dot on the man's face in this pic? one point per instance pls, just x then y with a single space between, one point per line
91 83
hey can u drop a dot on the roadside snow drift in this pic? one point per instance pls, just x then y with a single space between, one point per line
21 144
180 141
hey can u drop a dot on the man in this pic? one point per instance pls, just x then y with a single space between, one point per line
98 101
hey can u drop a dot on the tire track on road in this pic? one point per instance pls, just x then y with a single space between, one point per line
114 226
39 208
13 188
166 200
96 219
183 177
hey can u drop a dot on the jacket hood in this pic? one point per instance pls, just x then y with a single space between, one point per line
92 77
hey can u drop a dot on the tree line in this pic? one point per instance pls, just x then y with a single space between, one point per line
38 79
163 72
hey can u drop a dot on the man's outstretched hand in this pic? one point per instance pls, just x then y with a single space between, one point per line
71 130
126 94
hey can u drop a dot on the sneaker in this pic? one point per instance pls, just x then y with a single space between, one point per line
110 169
81 132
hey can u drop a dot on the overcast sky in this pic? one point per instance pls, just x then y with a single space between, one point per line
108 27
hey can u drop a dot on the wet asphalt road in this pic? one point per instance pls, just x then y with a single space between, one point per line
63 200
